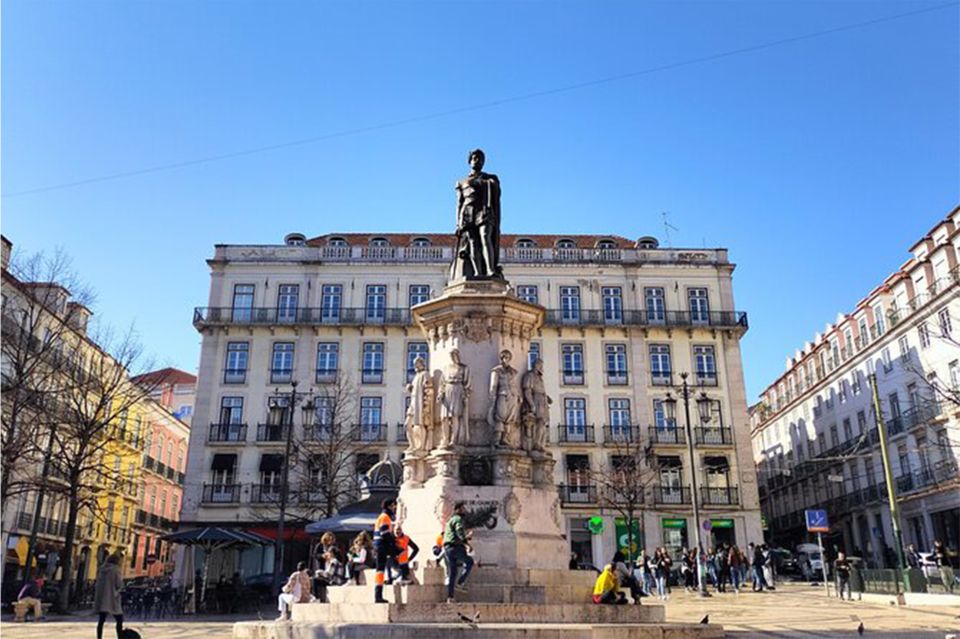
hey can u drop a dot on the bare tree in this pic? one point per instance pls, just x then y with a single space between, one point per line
625 484
91 413
44 313
948 393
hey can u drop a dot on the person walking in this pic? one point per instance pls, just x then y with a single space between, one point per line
735 561
106 596
722 561
913 557
30 595
756 562
941 555
296 590
455 543
407 551
768 572
713 573
841 568
385 543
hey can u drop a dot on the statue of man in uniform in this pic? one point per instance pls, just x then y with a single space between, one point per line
478 224
536 408
504 412
419 418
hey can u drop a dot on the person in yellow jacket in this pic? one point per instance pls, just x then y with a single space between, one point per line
606 590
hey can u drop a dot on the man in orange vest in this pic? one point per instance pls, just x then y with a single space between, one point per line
385 543
407 550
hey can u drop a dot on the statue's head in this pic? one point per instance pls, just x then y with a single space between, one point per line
538 365
476 159
419 364
455 355
506 356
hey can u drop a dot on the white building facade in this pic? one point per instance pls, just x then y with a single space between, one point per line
814 432
623 320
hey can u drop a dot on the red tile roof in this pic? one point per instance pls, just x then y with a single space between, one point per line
167 376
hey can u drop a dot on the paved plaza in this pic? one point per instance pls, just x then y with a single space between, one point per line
791 612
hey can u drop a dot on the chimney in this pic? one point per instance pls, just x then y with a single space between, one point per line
7 248
77 317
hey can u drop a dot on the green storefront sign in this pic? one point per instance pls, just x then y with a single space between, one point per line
673 523
620 525
722 523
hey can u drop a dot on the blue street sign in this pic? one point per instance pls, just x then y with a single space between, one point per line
817 521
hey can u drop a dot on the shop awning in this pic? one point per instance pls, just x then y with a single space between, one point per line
271 463
223 461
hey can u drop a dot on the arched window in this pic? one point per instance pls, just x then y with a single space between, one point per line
379 241
525 242
606 244
420 242
566 244
337 241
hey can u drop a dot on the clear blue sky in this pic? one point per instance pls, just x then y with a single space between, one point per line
817 161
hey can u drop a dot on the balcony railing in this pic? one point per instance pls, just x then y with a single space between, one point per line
371 433
221 494
620 434
269 316
318 432
671 495
702 378
575 434
272 432
227 433
265 493
684 319
371 376
577 494
667 436
401 433
719 496
719 436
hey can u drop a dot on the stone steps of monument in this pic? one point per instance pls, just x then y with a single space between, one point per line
476 592
519 576
293 630
488 613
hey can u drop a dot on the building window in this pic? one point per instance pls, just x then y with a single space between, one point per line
575 418
419 293
376 306
904 346
243 302
653 301
699 305
612 304
371 413
878 320
288 296
660 369
235 369
415 350
954 369
337 241
864 331
705 364
379 242
533 354
328 361
331 297
566 244
618 411
855 383
572 363
420 242
861 422
281 364
528 293
570 304
943 317
372 372
923 331
616 363
847 430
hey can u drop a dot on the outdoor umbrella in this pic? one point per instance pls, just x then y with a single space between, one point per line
344 523
211 539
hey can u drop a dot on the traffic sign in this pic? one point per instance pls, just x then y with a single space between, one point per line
817 521
707 525
151 559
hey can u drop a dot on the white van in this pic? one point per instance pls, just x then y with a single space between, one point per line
809 561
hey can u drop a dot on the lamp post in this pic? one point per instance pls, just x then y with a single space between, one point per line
703 406
278 406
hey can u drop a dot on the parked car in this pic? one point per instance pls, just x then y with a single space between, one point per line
785 561
810 561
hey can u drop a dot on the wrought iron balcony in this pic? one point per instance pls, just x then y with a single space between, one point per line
401 433
265 493
667 435
709 436
575 434
204 316
620 434
719 496
272 432
225 433
220 494
668 319
370 433
576 494
671 495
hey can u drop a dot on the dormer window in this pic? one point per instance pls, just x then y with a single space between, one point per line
525 243
420 242
337 241
606 244
379 242
648 243
295 239
566 244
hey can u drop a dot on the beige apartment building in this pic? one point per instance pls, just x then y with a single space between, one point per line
815 437
623 319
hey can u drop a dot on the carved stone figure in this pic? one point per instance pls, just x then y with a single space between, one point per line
536 408
478 224
419 418
504 413
454 395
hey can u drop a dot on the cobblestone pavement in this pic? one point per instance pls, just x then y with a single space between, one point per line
791 612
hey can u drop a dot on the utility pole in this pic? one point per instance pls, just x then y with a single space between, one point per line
891 486
38 509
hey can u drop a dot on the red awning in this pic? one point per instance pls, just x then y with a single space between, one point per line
289 534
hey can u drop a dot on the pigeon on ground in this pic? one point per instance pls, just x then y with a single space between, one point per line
472 622
860 629
705 620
